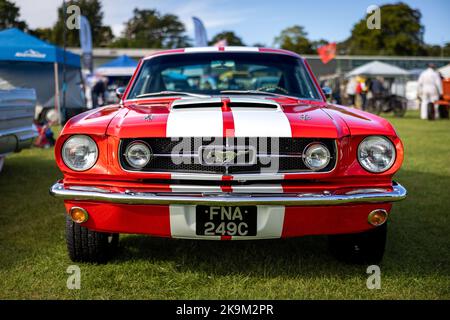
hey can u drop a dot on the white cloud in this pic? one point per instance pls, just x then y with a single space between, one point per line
217 15
117 29
38 14
209 12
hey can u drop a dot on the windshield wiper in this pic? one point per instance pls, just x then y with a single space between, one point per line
250 92
171 93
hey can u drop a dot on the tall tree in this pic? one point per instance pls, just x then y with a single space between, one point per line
259 45
231 38
437 50
151 29
318 43
43 33
10 16
401 33
92 10
295 39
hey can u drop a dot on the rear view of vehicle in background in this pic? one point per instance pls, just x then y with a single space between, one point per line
17 131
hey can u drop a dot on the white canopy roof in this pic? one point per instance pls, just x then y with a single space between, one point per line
445 71
377 68
114 71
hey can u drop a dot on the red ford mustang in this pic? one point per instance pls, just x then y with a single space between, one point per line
228 143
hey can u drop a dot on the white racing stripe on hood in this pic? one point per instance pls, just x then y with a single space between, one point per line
195 122
260 122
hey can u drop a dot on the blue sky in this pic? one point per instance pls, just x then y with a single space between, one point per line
257 20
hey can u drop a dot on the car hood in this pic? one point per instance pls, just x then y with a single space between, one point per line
231 116
251 117
243 117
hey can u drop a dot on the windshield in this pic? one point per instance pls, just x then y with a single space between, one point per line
212 73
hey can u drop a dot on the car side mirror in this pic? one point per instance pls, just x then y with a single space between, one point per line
119 92
327 92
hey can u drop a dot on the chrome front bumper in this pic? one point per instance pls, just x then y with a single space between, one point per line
87 193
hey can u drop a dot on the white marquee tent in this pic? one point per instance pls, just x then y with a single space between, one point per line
445 71
377 68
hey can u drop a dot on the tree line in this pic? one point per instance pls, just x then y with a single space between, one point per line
401 32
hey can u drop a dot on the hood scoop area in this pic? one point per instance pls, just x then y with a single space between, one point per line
253 103
194 103
216 102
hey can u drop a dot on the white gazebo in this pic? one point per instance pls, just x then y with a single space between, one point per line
445 71
378 68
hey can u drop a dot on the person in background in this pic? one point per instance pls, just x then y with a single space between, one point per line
336 87
98 91
429 89
45 137
377 88
362 89
351 90
358 91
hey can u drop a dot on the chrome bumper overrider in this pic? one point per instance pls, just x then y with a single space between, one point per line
86 193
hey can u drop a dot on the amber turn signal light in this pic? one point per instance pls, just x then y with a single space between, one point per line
78 215
377 217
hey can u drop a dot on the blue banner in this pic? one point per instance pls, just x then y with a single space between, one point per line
201 39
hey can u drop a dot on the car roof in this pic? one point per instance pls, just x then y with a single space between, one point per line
222 49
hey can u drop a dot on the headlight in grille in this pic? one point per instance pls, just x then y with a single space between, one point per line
138 154
80 152
376 154
316 156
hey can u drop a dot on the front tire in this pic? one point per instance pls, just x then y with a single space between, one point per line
360 248
85 245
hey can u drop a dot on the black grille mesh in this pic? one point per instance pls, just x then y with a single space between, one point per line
264 146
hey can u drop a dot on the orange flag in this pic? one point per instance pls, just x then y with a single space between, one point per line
327 52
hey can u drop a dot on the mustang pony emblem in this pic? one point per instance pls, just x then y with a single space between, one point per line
222 157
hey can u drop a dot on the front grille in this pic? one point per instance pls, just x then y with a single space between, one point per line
183 155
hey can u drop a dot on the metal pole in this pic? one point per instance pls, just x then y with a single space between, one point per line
63 109
56 100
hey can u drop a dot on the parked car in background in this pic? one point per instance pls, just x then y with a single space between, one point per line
17 130
272 159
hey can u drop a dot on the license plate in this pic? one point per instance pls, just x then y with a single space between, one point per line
226 220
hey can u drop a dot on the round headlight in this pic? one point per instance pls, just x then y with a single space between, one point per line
80 153
138 154
376 154
316 156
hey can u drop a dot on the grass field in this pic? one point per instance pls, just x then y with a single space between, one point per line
33 259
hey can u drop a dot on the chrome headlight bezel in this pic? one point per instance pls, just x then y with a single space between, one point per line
323 147
365 164
145 146
83 141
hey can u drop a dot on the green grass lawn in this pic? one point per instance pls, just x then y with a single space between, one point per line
33 259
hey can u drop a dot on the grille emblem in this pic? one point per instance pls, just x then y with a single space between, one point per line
222 156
